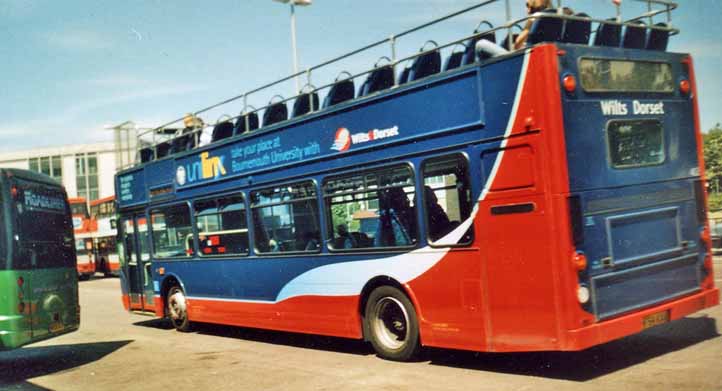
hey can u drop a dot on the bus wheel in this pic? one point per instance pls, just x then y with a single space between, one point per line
391 324
176 309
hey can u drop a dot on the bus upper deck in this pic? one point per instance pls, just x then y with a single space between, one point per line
443 207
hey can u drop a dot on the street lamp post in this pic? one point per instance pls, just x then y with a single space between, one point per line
293 4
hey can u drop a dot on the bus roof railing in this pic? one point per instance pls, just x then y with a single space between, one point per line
162 134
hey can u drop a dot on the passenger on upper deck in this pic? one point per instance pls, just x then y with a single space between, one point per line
532 6
439 223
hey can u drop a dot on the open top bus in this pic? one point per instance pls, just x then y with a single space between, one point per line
547 198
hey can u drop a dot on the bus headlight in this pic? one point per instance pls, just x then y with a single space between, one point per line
583 294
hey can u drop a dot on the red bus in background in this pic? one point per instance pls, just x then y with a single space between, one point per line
103 233
83 239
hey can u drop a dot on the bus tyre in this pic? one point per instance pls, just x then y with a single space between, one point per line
177 309
391 324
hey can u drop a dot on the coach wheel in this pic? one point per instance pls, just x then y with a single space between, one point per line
177 309
391 324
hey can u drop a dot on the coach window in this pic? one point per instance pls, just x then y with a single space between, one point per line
222 228
371 209
447 199
172 231
285 219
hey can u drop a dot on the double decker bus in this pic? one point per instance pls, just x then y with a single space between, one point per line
38 283
83 237
545 198
104 232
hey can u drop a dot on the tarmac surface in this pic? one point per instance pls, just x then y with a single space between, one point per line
117 350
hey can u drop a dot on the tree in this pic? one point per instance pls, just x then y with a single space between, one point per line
713 157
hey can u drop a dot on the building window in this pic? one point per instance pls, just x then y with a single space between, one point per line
86 175
48 165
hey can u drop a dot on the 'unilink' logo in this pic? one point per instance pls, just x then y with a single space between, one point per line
206 168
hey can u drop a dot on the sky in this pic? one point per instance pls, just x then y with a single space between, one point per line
70 68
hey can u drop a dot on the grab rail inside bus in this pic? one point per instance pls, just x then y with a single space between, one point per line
164 135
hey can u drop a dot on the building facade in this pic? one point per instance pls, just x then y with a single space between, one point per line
86 170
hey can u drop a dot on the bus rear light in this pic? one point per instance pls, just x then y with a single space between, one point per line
570 83
583 294
685 87
579 261
21 281
14 192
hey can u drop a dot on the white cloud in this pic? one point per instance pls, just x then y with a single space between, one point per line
77 40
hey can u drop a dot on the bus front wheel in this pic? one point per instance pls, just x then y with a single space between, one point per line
177 309
391 324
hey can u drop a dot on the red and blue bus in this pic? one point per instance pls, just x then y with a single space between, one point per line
104 233
547 198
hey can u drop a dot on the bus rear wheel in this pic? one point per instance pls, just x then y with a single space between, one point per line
391 324
177 309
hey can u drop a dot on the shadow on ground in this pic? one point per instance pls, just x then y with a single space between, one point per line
307 341
591 363
573 366
30 362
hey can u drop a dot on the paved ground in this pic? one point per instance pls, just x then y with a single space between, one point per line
115 350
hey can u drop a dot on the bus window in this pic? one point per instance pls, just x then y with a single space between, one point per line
222 228
635 143
172 232
285 218
371 209
49 244
447 197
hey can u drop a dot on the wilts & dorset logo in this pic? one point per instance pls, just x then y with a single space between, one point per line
344 139
206 168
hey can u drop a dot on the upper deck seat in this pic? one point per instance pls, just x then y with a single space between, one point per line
425 65
658 39
577 31
635 35
162 150
454 60
470 55
183 142
275 113
146 154
242 127
341 91
222 130
505 42
380 79
608 34
304 104
546 29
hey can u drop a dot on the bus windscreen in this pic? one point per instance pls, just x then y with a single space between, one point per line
44 226
607 75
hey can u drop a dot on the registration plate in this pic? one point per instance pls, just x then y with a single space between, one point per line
655 319
56 327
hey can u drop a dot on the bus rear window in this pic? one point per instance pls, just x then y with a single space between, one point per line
605 75
635 143
44 226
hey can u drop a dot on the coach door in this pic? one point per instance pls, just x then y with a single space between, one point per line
137 269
